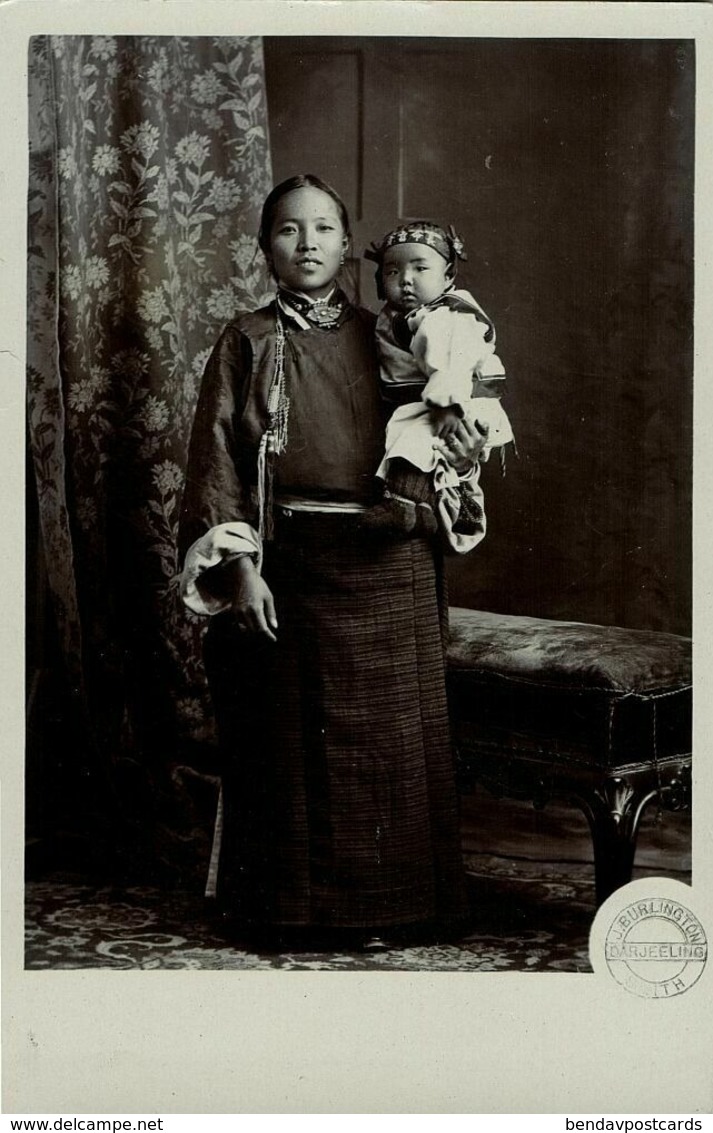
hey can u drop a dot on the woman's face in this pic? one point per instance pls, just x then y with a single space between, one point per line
307 242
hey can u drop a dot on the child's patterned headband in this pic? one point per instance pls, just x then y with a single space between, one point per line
445 241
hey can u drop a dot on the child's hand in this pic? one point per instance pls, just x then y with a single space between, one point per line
445 420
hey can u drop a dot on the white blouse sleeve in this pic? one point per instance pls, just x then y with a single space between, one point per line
227 541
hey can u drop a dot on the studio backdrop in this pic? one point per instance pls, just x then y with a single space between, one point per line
149 164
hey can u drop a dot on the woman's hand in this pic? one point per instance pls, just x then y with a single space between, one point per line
445 420
464 446
252 605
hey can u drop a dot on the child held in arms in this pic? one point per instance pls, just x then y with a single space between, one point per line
438 365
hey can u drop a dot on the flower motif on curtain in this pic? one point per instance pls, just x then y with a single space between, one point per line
149 161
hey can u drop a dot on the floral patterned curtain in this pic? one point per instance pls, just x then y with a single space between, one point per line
149 160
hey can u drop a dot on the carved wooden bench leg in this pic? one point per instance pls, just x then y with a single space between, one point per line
597 715
614 813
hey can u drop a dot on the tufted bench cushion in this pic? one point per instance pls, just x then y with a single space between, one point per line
597 714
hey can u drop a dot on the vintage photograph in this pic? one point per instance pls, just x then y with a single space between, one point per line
359 497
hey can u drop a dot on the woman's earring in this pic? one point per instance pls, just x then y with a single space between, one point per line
342 260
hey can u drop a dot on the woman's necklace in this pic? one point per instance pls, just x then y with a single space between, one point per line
320 312
324 314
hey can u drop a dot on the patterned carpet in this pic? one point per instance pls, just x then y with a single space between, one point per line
526 919
532 902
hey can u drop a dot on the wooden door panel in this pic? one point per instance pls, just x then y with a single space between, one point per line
567 167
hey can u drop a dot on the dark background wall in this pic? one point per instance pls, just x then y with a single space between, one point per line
567 166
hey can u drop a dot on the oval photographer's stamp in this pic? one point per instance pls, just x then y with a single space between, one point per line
653 944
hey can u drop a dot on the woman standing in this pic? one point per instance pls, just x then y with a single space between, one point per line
324 652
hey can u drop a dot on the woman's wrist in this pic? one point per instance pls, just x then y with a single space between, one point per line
241 564
219 580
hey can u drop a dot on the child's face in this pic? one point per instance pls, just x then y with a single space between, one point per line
414 274
307 242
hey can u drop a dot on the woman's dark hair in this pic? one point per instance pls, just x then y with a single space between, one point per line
299 181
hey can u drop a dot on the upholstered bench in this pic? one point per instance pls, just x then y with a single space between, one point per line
597 715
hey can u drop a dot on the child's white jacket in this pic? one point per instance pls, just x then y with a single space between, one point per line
451 351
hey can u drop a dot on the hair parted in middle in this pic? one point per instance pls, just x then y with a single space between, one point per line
299 181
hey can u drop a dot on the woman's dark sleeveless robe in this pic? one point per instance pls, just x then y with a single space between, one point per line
338 778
